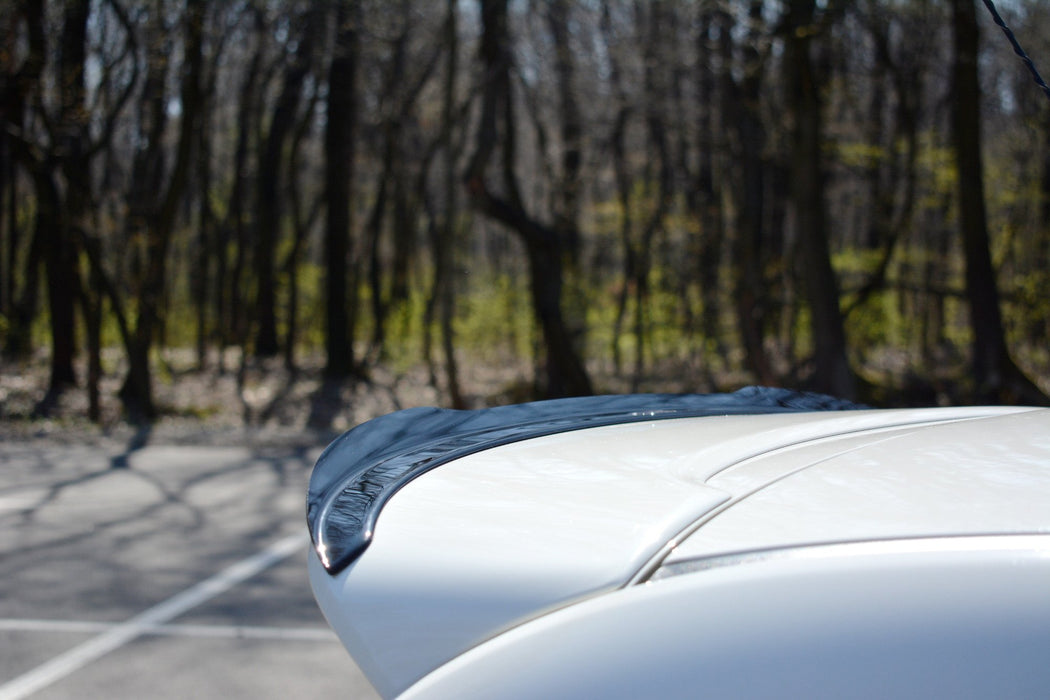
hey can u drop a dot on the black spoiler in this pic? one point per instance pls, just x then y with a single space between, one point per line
359 472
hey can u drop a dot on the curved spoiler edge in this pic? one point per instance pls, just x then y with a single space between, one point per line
358 473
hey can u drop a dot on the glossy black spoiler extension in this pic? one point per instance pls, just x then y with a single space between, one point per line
359 472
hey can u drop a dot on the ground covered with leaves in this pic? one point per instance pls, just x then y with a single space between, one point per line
264 402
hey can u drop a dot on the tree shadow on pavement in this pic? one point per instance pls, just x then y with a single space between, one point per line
139 440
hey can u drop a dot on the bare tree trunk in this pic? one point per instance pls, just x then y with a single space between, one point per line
269 197
742 110
158 211
10 231
204 279
231 300
303 220
61 178
618 146
406 217
655 91
390 196
148 166
91 303
568 180
12 108
395 201
24 300
61 284
996 376
706 197
60 254
1044 181
832 372
374 230
565 373
339 179
443 232
890 219
18 343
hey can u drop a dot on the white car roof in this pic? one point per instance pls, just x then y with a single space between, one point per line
980 476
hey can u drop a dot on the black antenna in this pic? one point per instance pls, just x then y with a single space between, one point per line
1017 48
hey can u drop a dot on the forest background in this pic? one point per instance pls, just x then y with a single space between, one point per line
848 196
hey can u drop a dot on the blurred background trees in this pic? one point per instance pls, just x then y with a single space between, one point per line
852 197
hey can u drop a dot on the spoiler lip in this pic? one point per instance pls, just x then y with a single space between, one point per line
362 469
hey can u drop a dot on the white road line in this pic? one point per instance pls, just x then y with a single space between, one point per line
304 634
71 626
97 647
19 502
283 634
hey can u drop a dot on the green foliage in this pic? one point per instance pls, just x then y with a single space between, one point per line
665 333
937 172
878 321
494 317
311 307
180 325
404 328
876 324
1028 306
860 155
801 332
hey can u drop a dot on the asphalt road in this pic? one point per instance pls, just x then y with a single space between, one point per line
139 570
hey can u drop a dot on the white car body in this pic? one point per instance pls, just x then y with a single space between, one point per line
860 553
